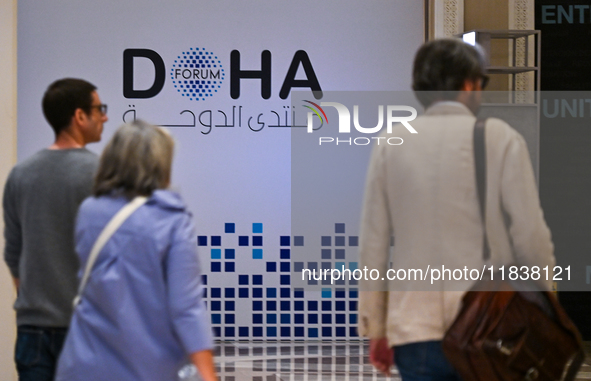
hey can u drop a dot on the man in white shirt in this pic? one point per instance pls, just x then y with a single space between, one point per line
423 193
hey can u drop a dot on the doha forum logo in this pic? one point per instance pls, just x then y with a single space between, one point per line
197 74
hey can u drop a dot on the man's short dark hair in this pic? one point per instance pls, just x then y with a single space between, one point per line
62 98
442 66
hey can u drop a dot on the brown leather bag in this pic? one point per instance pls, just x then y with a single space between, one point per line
507 330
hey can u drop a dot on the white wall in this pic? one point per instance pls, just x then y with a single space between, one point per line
7 160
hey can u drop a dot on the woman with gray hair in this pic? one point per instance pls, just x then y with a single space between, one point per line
139 311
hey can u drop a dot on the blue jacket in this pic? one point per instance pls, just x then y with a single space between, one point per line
142 310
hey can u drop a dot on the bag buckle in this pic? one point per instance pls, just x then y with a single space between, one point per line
503 349
532 374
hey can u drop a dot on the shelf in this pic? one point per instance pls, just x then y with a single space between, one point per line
510 69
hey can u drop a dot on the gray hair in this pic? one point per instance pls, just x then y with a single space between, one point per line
136 161
442 66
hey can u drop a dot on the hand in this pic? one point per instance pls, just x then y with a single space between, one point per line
381 355
203 361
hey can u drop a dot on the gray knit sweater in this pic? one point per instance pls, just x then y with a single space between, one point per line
40 202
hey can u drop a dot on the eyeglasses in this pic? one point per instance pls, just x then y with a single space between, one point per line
102 108
484 81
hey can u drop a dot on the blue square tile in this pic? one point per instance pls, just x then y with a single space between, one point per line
243 240
340 319
229 292
229 305
327 305
257 292
216 267
217 331
243 331
257 228
298 240
271 305
298 267
285 305
271 318
285 292
353 293
285 266
271 331
353 241
257 331
339 306
229 319
229 227
326 293
243 292
313 305
312 332
216 318
352 305
285 280
257 318
298 331
298 305
341 331
230 253
257 240
216 305
298 318
339 228
298 293
271 267
216 292
284 253
271 292
202 240
340 293
325 241
216 254
312 318
326 331
352 318
339 240
325 253
284 240
339 254
243 279
216 240
204 279
353 332
257 279
285 331
257 253
285 318
326 319
229 267
257 305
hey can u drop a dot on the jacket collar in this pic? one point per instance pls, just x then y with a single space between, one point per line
448 108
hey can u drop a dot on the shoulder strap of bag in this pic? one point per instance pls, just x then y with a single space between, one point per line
105 235
480 167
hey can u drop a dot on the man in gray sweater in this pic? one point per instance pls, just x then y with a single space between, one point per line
40 202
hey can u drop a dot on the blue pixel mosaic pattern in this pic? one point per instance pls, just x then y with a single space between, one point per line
263 305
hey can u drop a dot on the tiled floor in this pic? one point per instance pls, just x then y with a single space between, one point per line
309 361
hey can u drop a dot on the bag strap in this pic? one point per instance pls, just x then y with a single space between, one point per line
480 167
105 235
